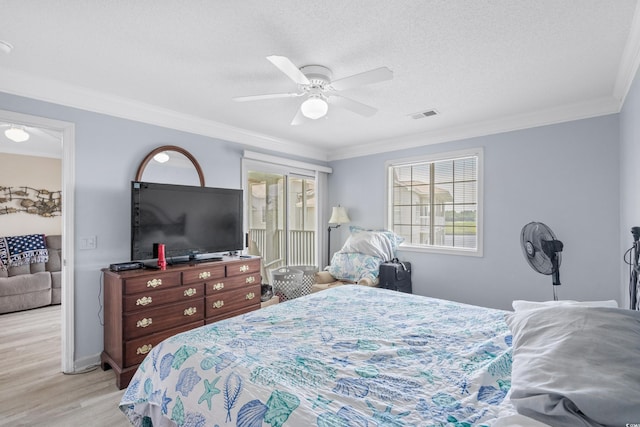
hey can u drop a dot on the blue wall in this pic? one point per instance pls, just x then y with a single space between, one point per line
629 172
108 152
564 175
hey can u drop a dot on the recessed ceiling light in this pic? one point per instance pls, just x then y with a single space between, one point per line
5 47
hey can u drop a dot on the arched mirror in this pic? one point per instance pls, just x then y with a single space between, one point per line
170 164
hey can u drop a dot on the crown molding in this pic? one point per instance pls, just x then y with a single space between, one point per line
566 113
630 60
57 92
99 102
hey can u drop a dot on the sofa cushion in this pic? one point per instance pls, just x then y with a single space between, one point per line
54 246
56 287
35 267
26 301
24 284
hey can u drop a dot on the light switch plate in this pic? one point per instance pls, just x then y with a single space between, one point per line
90 242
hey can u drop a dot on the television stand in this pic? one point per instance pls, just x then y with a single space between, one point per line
144 307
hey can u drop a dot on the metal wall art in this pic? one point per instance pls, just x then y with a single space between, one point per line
30 200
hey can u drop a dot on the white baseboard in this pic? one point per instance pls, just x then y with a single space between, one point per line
85 363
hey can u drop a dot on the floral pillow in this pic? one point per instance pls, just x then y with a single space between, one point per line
354 266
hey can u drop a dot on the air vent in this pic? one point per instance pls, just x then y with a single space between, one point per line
423 114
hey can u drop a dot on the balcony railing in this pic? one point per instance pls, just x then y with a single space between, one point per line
302 247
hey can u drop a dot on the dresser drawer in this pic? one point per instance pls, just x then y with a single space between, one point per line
150 321
232 313
136 350
203 274
243 267
136 285
155 298
231 283
225 302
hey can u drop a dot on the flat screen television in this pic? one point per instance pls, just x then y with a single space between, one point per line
192 222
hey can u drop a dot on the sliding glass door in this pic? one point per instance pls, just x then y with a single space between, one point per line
281 217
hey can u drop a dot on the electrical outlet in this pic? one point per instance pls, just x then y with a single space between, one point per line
90 242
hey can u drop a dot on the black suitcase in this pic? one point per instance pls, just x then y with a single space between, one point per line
396 275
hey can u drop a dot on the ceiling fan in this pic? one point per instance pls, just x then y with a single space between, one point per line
315 84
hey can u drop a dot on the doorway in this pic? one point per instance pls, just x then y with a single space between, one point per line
67 132
281 216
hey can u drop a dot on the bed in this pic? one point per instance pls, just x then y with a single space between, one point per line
347 356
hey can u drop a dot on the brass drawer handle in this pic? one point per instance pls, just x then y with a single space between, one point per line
154 283
144 349
218 304
244 268
250 295
144 301
250 279
204 275
190 311
190 292
218 286
144 322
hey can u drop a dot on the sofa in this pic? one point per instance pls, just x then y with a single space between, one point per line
33 285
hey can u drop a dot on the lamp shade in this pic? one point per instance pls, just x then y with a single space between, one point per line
314 108
16 134
339 215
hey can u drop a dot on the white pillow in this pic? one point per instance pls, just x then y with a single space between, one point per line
395 238
371 243
576 365
520 305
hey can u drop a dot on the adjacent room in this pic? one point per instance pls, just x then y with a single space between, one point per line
320 213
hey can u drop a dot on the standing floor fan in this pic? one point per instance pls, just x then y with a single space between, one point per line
543 251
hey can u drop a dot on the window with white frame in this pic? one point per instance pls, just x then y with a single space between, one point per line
435 202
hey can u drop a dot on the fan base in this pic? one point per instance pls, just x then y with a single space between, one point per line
317 74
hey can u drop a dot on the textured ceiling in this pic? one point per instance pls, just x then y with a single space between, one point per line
485 66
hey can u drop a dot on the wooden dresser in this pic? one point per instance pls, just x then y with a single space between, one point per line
144 307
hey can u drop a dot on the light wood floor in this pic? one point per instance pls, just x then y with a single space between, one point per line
34 391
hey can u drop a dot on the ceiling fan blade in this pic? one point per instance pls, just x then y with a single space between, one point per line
368 77
267 96
351 105
298 119
285 65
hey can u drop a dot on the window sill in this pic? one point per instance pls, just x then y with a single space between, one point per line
441 250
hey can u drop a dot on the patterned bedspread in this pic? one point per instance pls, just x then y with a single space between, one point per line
347 356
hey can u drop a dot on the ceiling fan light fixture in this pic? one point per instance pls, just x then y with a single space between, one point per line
16 134
314 108
161 157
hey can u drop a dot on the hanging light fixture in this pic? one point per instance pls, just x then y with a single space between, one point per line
314 107
16 134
